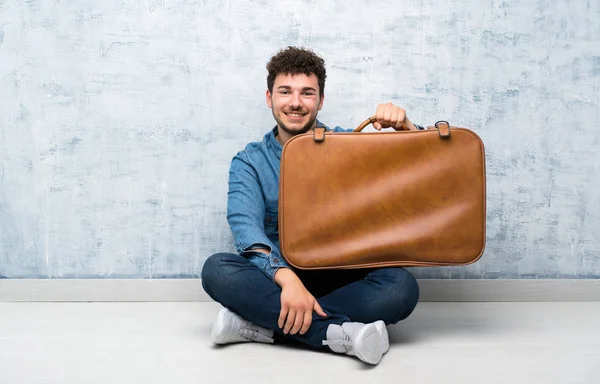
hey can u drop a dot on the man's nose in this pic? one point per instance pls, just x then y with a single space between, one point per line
295 100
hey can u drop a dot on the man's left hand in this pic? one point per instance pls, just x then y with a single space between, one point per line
390 115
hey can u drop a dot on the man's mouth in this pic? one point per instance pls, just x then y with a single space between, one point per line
294 115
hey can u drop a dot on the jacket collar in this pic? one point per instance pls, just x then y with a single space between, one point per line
275 145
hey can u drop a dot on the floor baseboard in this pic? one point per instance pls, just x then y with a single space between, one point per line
126 290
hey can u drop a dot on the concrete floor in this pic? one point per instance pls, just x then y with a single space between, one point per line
169 343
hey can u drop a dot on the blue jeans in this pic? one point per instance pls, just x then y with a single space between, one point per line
359 295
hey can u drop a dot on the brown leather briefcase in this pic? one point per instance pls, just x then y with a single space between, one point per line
397 198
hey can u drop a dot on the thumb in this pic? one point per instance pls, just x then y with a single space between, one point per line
408 125
377 126
319 310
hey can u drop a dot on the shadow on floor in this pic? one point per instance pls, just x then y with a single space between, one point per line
443 319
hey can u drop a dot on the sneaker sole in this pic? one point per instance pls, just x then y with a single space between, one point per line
367 344
385 338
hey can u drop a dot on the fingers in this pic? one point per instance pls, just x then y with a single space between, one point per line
388 112
319 310
308 317
384 115
282 315
299 321
297 311
380 115
389 115
307 322
300 317
399 119
289 323
408 125
394 115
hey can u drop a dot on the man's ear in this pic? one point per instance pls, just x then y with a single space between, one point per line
321 102
268 96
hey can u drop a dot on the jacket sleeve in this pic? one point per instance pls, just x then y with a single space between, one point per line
246 217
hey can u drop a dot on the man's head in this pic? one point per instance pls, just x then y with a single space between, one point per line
295 89
293 61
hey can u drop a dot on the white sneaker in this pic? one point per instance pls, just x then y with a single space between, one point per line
229 327
385 339
365 341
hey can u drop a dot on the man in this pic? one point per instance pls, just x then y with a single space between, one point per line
266 300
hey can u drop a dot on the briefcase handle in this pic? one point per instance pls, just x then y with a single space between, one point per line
362 125
370 120
442 126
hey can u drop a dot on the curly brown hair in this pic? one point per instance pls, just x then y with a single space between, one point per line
294 60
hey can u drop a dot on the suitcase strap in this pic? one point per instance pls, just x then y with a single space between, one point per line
442 126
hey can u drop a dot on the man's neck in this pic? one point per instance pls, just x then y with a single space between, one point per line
283 136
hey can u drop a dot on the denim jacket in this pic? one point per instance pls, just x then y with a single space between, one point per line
252 203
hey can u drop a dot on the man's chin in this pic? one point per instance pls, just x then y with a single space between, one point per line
297 128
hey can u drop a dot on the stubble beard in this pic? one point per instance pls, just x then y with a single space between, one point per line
307 127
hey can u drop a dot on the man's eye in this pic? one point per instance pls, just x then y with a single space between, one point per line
308 93
284 92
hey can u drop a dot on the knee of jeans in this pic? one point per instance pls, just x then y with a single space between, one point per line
215 269
403 293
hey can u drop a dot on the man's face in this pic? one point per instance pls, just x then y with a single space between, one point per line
295 102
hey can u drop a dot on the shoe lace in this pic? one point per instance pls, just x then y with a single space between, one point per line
248 331
345 341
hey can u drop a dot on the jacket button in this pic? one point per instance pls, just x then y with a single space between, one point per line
268 219
276 260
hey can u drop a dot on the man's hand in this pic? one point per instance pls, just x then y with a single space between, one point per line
390 115
297 304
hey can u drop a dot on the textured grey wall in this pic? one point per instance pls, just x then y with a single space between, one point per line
118 121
